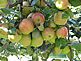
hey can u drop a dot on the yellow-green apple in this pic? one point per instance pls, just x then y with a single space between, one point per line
14 38
3 3
25 40
26 26
58 18
37 39
57 50
66 50
61 4
3 34
41 3
25 3
26 10
48 33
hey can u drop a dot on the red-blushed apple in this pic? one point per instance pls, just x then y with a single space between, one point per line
61 4
48 33
38 18
58 18
26 26
62 32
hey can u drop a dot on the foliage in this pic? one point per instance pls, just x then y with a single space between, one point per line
42 42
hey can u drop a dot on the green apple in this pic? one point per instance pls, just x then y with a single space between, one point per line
3 3
37 39
14 38
58 18
48 33
25 40
61 4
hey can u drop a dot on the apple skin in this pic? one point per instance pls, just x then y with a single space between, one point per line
62 32
3 3
48 33
25 3
25 40
26 10
61 4
3 34
66 50
38 18
58 19
57 50
37 39
41 3
26 26
14 38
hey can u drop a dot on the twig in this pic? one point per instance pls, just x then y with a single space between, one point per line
47 3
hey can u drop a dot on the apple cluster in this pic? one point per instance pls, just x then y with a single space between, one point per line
34 33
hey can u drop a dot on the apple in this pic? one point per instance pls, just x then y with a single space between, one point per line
25 3
57 50
38 18
48 33
25 40
62 32
14 38
41 3
3 3
37 39
26 26
66 50
58 19
3 34
26 10
61 4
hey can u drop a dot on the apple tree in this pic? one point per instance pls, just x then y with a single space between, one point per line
40 28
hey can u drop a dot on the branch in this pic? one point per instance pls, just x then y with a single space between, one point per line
47 3
14 4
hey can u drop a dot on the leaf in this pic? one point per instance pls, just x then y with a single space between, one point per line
1 49
75 2
34 2
11 47
29 50
61 42
57 56
67 14
77 46
70 55
6 10
3 58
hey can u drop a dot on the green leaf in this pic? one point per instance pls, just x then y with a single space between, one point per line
75 2
34 2
67 14
61 42
1 48
3 58
57 56
70 55
77 46
6 10
11 47
30 50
